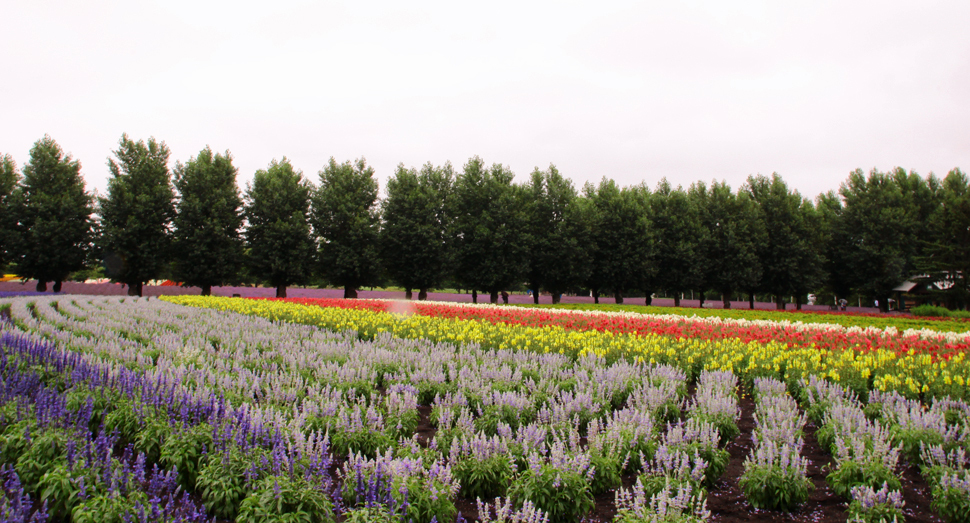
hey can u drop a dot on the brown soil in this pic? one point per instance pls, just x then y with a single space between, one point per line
425 430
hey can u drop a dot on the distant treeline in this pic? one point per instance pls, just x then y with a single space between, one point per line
475 229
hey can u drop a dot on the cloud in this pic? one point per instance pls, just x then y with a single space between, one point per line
629 90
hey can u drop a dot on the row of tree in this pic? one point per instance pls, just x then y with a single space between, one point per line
476 229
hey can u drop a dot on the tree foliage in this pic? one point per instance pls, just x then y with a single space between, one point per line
557 234
9 178
489 229
277 207
416 218
345 218
678 235
136 215
789 253
947 254
208 220
53 214
622 242
730 247
880 226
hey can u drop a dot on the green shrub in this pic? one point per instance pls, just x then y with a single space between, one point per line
109 507
871 473
225 480
951 498
564 496
483 478
931 311
184 451
280 499
606 473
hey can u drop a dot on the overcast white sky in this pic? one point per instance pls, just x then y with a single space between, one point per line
634 91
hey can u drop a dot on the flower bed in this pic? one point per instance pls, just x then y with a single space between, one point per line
917 375
256 415
937 344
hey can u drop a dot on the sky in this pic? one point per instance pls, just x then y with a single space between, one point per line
633 91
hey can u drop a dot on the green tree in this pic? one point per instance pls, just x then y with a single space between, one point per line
53 213
416 220
734 231
791 263
346 219
678 236
136 216
882 225
622 238
9 178
556 235
698 196
207 222
834 239
277 209
489 229
947 255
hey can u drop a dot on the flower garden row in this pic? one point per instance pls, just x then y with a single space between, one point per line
252 414
918 365
243 414
820 335
845 319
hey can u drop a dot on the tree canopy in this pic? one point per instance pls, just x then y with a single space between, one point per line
556 235
416 217
788 251
9 178
52 211
345 217
677 234
622 242
278 240
207 221
137 213
489 229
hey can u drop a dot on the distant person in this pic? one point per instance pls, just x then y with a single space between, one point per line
505 297
843 303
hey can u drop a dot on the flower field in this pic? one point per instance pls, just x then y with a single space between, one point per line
917 364
845 319
194 409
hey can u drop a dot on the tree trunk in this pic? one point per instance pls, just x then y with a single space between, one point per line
649 299
701 300
422 294
556 297
207 290
751 300
407 293
677 299
726 299
350 293
41 286
474 296
780 302
281 291
618 296
596 296
535 296
493 297
798 303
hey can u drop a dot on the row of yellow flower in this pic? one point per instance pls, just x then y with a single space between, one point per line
913 375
